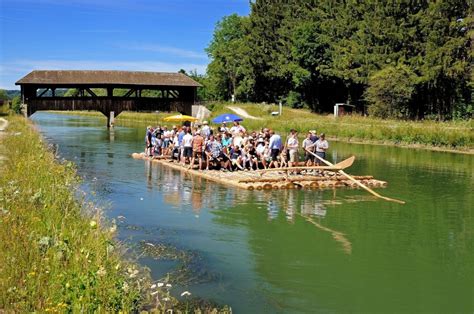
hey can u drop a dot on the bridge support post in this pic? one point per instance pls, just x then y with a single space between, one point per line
110 119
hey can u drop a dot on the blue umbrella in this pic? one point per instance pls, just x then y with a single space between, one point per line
227 117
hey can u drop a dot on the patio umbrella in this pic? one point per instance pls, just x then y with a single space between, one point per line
227 117
180 118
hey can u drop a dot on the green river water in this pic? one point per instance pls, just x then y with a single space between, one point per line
292 251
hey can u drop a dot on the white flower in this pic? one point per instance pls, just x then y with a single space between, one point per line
134 274
166 299
185 293
153 293
125 286
160 284
101 271
153 286
168 285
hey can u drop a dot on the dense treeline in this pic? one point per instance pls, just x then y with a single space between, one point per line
407 59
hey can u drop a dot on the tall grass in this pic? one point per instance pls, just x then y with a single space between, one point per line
455 135
55 254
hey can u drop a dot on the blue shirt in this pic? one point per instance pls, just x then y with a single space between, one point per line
226 141
180 137
275 142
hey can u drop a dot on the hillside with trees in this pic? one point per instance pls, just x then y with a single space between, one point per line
404 59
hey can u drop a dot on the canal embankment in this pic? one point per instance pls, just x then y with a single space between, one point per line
448 136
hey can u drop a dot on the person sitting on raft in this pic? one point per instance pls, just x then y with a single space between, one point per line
236 157
214 154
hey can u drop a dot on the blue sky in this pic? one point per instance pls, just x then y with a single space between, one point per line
140 35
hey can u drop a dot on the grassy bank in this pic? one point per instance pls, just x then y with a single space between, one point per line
457 135
55 254
453 135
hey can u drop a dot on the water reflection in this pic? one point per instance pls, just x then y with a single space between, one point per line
182 189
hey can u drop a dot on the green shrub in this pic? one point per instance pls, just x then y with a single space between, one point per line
16 104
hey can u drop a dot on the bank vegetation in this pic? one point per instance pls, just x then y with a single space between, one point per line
58 253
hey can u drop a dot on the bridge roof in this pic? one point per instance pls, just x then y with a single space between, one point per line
83 77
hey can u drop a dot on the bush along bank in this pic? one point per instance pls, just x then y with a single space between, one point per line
57 252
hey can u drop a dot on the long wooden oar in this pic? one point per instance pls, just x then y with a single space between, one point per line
346 163
358 182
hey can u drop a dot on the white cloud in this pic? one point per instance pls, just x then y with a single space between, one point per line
167 50
13 71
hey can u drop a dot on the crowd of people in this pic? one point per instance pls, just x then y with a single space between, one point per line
233 148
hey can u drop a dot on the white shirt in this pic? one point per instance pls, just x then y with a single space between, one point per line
205 131
321 146
188 140
237 129
238 141
307 143
293 144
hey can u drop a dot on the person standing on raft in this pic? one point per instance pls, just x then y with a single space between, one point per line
148 144
321 147
198 147
187 146
292 145
275 146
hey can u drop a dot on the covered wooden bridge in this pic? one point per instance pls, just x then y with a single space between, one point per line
109 92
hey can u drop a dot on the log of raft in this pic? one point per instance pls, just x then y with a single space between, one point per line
300 178
251 180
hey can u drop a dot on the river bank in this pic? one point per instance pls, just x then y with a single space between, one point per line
453 136
58 252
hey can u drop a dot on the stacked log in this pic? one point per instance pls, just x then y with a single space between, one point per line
277 180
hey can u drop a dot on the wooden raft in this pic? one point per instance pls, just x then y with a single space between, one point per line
284 179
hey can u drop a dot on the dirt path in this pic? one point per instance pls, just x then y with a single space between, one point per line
3 127
243 113
3 124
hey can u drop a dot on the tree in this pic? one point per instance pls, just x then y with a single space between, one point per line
321 52
16 104
202 92
390 92
228 51
445 60
3 95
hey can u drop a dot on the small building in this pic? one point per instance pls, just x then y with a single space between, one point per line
343 109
